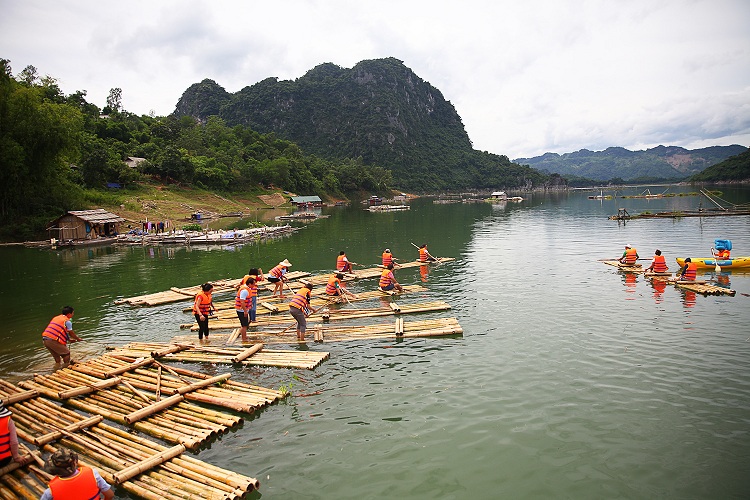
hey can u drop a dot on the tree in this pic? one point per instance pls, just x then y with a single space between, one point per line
114 100
28 76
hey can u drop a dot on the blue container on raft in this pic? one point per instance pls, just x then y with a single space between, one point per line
722 244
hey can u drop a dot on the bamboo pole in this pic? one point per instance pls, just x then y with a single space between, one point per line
18 488
124 369
153 408
247 353
203 383
135 469
19 396
52 436
97 386
158 384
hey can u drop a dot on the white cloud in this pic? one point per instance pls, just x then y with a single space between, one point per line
526 77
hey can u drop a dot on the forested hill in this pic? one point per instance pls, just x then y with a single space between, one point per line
379 111
659 163
734 169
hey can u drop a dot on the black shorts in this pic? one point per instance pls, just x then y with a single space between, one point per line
244 320
273 279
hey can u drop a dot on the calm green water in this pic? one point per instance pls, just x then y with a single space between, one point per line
570 381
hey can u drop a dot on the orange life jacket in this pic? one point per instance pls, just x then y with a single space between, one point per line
386 278
660 264
341 262
247 276
723 254
56 329
202 303
277 271
242 304
631 255
423 254
691 272
4 438
331 286
301 299
387 259
82 486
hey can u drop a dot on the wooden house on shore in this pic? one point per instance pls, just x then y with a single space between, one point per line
85 225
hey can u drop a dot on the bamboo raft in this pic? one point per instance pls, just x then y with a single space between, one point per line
702 287
141 467
635 268
175 294
172 419
227 321
182 350
423 328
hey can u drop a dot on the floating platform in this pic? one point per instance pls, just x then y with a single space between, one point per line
634 268
702 287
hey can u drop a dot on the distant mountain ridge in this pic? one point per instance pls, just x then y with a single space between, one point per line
661 162
379 111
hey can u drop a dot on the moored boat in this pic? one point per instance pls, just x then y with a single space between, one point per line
710 262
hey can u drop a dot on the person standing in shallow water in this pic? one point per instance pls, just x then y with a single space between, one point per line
202 308
57 335
299 308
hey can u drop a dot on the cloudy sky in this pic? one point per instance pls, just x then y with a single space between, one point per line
526 76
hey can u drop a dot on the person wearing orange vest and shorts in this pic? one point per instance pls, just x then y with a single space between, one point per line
276 276
388 280
658 264
343 265
336 288
74 481
57 335
689 271
424 254
243 304
629 256
8 437
202 308
299 308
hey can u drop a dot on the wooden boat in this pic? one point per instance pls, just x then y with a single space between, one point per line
388 208
298 216
710 262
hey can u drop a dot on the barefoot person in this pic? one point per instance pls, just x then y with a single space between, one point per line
336 288
57 335
72 480
202 308
245 305
276 276
343 265
388 280
299 308
424 254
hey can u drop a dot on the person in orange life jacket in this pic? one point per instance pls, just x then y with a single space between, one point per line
57 335
629 256
276 276
658 263
335 286
245 305
388 281
257 275
424 254
689 271
723 254
72 480
388 258
299 308
202 308
8 437
342 263
254 272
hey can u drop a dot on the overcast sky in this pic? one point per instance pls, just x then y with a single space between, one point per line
526 76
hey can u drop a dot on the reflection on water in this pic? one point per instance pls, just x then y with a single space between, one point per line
561 385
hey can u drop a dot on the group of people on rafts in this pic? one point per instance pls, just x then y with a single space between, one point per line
689 270
246 298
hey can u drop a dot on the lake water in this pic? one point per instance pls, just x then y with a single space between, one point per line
570 380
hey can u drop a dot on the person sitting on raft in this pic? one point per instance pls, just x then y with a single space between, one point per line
276 276
342 263
689 271
388 281
335 286
658 263
424 254
629 256
388 258
72 480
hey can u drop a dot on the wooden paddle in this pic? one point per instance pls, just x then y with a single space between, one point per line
716 261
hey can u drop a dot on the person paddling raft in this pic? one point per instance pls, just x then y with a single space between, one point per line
658 263
424 254
58 334
388 280
299 308
629 256
689 271
336 288
276 276
343 265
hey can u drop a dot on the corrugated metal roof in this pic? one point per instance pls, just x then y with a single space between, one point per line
306 199
96 216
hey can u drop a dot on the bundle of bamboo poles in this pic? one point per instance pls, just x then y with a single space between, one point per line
307 360
140 466
165 380
177 294
704 288
181 422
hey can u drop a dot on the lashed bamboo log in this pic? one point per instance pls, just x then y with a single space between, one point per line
25 460
203 383
135 469
124 369
18 488
96 386
47 438
247 353
158 384
19 396
153 408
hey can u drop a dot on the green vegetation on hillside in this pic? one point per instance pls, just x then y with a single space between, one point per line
736 168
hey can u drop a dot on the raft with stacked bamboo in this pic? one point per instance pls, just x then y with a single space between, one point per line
222 354
172 418
634 268
140 466
702 287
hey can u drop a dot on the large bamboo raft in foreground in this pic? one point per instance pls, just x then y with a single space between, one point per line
140 466
702 287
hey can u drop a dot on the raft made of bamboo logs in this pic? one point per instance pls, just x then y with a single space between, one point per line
703 287
634 268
